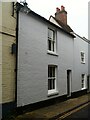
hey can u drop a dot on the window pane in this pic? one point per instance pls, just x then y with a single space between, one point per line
51 77
82 56
49 44
53 45
49 84
53 71
83 80
51 34
49 71
83 76
53 83
51 40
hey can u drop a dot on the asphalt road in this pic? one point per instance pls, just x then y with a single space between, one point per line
81 114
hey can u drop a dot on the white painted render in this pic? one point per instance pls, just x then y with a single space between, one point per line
33 60
79 46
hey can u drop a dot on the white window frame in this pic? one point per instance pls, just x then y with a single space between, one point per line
51 91
82 57
52 41
83 81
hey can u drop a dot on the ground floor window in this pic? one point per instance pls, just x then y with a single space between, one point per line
51 78
83 81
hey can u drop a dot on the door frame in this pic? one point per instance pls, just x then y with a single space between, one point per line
88 83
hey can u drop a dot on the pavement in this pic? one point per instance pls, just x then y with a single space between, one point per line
56 110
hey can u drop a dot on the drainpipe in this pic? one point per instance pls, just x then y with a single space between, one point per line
17 24
26 10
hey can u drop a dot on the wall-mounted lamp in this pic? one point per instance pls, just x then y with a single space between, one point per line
13 48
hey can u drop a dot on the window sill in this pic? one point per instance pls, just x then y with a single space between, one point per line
82 62
83 88
52 53
53 93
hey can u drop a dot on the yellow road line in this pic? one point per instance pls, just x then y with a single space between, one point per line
73 111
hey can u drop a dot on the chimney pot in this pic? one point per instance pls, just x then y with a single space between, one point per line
61 15
57 9
62 8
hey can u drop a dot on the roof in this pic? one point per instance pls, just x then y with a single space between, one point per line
44 19
68 29
83 38
65 27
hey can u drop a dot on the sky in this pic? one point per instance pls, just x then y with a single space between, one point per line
77 17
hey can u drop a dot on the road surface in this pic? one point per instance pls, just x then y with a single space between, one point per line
83 113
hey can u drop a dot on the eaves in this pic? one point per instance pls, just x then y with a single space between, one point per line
47 21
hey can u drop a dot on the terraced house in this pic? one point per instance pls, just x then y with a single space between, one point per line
48 62
52 58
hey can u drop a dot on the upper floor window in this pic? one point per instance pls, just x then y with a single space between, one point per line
51 40
82 57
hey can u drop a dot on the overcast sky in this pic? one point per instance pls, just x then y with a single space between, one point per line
77 10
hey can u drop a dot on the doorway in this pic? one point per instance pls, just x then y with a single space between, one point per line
88 83
69 77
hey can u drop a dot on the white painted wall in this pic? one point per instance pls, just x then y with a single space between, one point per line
33 60
79 68
79 45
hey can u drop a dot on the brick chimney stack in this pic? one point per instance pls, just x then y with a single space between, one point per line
61 15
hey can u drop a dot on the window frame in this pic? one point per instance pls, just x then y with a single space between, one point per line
83 84
52 41
82 57
51 91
